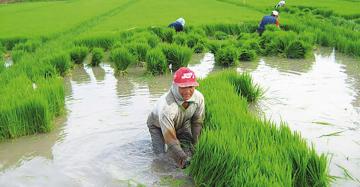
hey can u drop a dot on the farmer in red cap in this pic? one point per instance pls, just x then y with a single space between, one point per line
177 118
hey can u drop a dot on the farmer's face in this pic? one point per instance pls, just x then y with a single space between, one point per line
186 92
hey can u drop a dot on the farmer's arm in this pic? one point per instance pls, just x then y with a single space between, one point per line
197 120
169 133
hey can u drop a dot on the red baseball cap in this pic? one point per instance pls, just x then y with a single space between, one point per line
184 77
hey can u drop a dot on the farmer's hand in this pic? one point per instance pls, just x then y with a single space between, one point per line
184 163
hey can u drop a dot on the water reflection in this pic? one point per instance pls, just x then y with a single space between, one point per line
26 148
79 74
99 73
295 66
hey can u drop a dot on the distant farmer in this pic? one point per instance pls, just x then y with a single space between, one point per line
272 19
280 4
178 25
177 118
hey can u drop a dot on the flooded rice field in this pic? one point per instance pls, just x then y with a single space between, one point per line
103 138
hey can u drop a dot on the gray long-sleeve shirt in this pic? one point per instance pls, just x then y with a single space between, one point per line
170 116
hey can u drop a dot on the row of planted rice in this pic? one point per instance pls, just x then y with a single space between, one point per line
239 149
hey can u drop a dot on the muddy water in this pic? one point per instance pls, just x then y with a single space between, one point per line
320 98
103 139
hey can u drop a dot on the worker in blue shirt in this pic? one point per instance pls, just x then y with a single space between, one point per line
178 25
270 19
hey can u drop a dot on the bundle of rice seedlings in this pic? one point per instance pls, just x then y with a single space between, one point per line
180 38
153 41
226 56
245 86
165 34
9 43
199 48
177 56
296 49
97 56
219 35
193 39
246 54
28 46
17 55
91 41
215 45
156 62
122 58
78 54
139 50
60 61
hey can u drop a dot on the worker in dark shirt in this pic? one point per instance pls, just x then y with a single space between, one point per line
178 25
271 19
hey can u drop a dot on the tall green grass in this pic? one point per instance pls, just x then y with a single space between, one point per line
242 150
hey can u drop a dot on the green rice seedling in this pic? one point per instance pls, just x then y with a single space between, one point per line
10 43
91 41
78 54
180 38
214 45
17 55
277 41
247 54
52 89
197 31
199 48
177 56
230 29
118 44
60 61
226 56
296 49
193 39
156 62
219 35
24 116
245 86
139 50
153 41
28 46
122 58
165 34
234 142
2 65
97 56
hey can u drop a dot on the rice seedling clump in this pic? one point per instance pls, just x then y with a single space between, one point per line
122 58
97 56
156 62
226 56
78 54
241 149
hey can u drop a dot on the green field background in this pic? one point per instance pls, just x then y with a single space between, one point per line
47 18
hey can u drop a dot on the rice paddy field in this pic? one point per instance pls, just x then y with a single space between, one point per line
78 79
